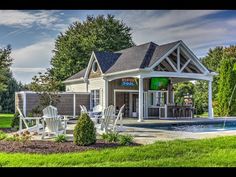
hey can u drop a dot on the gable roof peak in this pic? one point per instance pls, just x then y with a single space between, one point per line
173 42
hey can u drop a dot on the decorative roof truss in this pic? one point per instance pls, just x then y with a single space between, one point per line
180 61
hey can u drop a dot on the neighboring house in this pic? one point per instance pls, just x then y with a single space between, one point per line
126 76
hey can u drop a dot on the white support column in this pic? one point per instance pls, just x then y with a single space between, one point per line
86 82
140 101
15 101
106 94
114 98
165 110
210 109
24 103
130 105
74 105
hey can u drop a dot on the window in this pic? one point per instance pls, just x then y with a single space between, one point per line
95 97
95 66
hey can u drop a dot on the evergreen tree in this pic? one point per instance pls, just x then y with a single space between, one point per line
201 96
8 85
213 61
227 81
7 97
5 63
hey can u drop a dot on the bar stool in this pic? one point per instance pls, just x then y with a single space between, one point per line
182 112
176 112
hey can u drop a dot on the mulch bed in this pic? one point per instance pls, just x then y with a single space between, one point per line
47 147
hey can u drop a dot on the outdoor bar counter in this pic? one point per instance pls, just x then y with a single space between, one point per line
171 111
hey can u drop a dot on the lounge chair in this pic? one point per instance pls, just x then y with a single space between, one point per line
54 123
119 118
97 108
83 109
107 117
25 120
96 113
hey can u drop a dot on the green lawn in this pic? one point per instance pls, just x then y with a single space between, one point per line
198 153
205 115
5 120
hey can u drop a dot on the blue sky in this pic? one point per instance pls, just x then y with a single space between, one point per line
32 33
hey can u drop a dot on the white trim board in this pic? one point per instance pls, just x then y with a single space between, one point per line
92 58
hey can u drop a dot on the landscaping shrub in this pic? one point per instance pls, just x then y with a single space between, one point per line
23 137
60 139
125 139
15 121
115 137
2 135
14 137
104 136
84 132
112 137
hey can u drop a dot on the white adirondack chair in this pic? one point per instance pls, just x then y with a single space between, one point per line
23 119
97 108
96 113
82 109
107 118
54 123
119 118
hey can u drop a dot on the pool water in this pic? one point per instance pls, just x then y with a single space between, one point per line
200 127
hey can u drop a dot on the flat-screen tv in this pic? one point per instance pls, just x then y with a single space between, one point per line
159 83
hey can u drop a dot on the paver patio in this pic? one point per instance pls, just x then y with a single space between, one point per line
144 133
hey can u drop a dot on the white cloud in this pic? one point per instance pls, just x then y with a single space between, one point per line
73 19
231 22
28 70
32 59
18 18
191 26
35 55
140 19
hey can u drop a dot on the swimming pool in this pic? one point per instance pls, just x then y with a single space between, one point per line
200 127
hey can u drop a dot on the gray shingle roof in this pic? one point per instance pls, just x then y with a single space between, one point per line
77 75
130 58
160 51
106 59
140 56
136 57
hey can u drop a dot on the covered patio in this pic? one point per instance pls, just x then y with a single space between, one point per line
179 64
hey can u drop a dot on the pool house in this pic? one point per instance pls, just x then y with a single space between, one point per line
142 78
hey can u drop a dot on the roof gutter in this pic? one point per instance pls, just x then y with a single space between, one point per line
124 72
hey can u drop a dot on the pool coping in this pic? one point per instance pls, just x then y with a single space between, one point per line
183 122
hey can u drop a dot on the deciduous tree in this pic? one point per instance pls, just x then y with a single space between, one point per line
73 48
